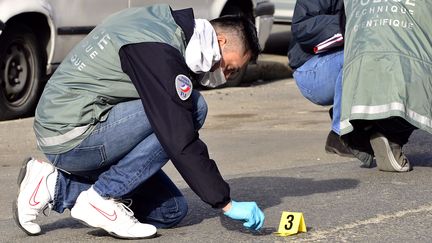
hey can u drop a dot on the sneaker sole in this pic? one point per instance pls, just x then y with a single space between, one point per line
21 176
384 158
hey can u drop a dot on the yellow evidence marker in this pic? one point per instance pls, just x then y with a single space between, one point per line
291 223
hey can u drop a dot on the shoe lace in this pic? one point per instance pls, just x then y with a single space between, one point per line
47 209
125 208
126 201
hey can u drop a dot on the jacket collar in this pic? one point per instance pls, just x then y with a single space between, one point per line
185 19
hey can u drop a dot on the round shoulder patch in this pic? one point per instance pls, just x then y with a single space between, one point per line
183 86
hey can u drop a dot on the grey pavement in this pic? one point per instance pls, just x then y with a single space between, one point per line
268 142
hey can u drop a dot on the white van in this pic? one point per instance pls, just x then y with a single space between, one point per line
35 36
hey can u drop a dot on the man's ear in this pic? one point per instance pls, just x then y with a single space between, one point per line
221 39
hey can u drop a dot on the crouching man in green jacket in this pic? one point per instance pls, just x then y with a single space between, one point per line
387 78
118 108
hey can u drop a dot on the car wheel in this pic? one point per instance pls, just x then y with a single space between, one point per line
235 79
20 72
237 8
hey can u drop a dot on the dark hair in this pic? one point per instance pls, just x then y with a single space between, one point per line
245 30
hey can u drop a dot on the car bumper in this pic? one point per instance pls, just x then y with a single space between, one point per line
2 26
264 12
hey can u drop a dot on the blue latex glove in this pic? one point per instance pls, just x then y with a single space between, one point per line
248 212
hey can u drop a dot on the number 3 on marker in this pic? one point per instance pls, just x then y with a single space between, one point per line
289 224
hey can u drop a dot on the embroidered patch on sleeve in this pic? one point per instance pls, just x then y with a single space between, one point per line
183 86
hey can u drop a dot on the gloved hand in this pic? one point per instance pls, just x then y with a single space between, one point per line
248 212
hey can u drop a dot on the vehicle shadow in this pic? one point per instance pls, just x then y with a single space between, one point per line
266 71
278 42
272 65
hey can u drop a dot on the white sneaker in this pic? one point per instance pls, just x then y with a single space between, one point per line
111 215
33 193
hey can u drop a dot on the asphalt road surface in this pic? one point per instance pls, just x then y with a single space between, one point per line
268 142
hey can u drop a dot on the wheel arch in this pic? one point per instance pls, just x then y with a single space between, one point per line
246 7
40 25
219 7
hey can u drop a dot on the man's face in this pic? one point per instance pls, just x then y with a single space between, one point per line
233 57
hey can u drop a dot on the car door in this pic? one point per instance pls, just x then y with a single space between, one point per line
74 19
202 8
284 10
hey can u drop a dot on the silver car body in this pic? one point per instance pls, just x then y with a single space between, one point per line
65 17
284 10
35 36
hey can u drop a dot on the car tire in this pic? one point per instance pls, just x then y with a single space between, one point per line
236 7
235 79
20 72
239 7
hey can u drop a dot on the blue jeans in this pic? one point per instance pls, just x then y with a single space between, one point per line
320 81
122 158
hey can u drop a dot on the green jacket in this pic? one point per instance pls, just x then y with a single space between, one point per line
137 53
388 62
86 86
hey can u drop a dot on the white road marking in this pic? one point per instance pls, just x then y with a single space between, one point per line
322 234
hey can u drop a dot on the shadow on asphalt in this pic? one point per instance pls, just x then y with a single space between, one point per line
68 223
272 190
278 43
266 72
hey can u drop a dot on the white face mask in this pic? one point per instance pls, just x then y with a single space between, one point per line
202 51
213 79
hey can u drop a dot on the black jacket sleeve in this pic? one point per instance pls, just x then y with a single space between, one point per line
153 67
315 21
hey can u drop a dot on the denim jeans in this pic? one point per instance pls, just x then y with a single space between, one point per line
122 158
320 81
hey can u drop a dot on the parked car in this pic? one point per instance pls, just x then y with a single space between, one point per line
280 37
35 36
284 10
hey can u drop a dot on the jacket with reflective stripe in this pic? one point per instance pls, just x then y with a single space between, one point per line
136 53
388 62
90 80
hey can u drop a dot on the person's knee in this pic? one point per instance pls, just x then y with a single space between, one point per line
173 218
313 89
317 97
183 210
323 100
